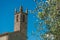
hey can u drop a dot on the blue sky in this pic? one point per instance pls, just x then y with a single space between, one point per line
7 15
7 12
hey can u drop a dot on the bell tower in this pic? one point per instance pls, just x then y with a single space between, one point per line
20 22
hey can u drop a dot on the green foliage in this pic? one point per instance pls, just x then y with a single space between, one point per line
41 15
51 17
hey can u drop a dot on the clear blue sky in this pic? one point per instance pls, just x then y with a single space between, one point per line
7 15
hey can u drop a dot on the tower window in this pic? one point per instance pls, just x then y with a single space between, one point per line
23 18
17 18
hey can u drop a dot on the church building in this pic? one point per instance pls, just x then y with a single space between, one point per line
20 27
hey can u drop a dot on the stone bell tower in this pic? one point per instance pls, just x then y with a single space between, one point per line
20 22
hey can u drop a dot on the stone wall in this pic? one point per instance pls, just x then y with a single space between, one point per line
5 37
16 36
